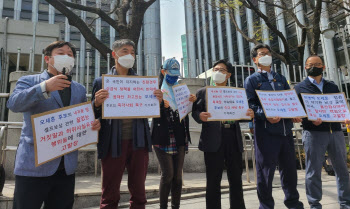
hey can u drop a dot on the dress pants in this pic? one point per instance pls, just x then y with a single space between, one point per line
56 191
230 156
272 151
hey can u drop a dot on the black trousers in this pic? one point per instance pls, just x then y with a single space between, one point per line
171 179
228 155
56 191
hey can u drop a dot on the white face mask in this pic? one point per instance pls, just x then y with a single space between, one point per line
265 60
219 77
63 61
126 61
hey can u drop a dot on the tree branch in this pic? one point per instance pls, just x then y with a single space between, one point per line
104 16
77 22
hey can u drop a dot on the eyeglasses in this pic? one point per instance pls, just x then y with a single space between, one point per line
261 54
314 65
221 70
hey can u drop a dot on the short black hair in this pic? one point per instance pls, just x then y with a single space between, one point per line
254 52
314 55
58 44
225 62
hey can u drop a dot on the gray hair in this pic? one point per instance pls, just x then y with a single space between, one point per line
122 42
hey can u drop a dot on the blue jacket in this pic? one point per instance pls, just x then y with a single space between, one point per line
110 135
259 81
307 87
28 98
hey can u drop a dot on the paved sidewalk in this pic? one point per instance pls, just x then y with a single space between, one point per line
195 184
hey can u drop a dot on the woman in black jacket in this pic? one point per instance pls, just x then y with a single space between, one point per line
170 137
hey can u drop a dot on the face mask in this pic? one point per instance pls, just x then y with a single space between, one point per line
63 63
126 61
265 60
219 77
171 79
314 71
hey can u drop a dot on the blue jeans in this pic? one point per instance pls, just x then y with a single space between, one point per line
316 143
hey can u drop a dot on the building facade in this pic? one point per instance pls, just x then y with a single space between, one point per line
148 49
212 35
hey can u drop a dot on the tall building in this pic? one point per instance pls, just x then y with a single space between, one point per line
148 49
211 35
184 55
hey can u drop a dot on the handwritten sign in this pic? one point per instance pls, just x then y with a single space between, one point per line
284 104
182 95
61 131
130 97
328 107
227 103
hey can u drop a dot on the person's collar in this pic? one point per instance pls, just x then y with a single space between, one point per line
312 80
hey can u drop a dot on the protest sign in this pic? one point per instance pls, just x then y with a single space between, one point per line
182 95
130 97
62 131
283 104
328 107
227 103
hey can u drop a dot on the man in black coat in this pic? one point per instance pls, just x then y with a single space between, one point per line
221 144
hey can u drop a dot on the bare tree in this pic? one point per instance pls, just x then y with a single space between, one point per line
310 29
126 29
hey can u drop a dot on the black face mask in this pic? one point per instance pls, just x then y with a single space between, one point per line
314 71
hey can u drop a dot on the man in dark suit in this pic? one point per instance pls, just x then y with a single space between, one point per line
221 144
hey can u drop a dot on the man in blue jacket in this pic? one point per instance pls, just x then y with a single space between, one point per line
53 182
321 137
274 145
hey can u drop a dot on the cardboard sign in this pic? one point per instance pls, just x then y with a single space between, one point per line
328 107
61 131
284 104
182 95
130 97
227 103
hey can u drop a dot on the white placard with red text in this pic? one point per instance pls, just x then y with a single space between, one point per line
328 107
227 103
283 104
62 131
130 97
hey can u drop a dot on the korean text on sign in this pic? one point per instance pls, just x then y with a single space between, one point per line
284 104
182 96
226 103
62 131
130 97
328 107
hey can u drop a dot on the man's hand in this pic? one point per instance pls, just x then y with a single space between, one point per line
250 113
96 125
204 116
297 120
274 120
100 97
159 94
317 122
57 82
166 103
192 98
